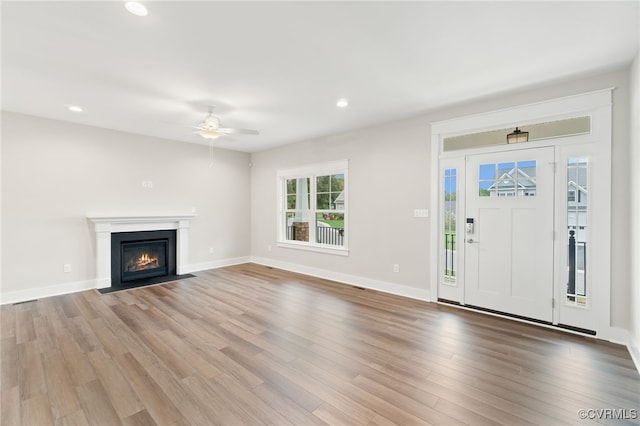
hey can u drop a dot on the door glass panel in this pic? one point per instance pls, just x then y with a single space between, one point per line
486 179
449 254
508 179
527 178
577 173
505 185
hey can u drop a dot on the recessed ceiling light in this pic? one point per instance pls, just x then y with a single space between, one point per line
75 108
342 103
136 8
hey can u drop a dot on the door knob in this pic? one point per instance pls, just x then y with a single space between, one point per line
471 240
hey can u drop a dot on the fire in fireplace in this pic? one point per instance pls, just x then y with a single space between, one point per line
140 258
141 263
143 259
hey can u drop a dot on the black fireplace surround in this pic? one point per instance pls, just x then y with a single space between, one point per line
142 258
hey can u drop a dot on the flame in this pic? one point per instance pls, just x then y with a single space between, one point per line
145 261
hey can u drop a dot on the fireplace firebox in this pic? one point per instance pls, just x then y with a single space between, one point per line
141 258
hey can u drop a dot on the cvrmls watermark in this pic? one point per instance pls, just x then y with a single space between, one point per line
608 413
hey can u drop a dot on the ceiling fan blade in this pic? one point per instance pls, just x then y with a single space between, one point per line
237 131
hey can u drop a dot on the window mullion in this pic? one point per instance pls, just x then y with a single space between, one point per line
312 209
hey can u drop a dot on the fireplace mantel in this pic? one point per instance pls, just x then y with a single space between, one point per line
104 226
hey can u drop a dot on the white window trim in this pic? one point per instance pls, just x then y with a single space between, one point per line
312 170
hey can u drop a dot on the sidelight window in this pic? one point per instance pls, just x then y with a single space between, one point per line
577 235
450 212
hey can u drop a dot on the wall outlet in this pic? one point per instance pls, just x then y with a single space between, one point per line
67 267
269 248
421 213
211 250
396 267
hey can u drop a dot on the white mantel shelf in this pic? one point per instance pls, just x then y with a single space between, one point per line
140 219
104 226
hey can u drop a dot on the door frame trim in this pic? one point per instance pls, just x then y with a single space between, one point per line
597 105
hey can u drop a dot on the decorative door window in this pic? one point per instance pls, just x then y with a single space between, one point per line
511 179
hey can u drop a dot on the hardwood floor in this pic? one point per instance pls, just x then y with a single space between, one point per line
250 345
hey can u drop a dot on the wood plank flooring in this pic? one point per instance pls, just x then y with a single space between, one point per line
252 345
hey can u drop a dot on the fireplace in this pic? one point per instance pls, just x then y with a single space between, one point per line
142 258
108 277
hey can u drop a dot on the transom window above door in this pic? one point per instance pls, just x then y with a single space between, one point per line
536 132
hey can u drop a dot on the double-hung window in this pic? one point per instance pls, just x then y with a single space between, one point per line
313 207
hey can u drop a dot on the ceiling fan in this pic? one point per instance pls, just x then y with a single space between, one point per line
210 128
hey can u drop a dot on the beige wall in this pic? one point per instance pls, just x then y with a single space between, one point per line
389 177
55 174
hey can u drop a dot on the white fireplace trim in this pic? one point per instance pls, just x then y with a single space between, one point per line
104 226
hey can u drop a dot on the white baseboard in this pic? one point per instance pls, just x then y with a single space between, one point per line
215 264
48 291
73 287
634 350
382 286
618 335
624 337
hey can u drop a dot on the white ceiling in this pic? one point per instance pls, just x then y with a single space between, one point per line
280 67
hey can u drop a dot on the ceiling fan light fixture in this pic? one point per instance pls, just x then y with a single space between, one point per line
209 134
517 136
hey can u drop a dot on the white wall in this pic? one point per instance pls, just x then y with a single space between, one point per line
55 174
634 234
387 180
389 177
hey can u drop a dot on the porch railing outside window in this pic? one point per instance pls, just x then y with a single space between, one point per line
324 235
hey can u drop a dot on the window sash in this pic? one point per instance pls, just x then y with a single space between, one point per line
311 213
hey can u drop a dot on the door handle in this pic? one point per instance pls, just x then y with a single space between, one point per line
471 240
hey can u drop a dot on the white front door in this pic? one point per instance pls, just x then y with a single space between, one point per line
508 234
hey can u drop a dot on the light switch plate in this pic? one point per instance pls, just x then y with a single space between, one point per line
421 213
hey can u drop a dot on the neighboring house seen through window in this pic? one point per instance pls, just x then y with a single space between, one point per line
313 207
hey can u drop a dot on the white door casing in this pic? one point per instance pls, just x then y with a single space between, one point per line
596 146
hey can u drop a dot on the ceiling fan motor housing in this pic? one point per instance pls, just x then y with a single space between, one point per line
211 122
